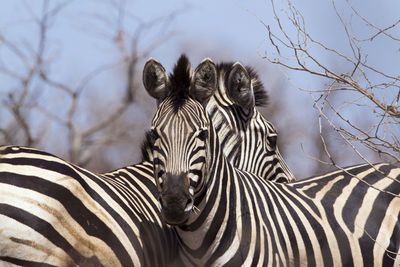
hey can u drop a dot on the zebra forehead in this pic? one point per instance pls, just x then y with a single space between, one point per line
191 114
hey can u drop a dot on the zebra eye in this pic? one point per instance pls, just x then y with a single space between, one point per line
160 173
272 140
154 134
160 177
202 135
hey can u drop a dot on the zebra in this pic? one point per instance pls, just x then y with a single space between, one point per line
224 216
232 108
57 214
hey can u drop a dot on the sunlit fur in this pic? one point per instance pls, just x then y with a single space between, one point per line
53 212
244 220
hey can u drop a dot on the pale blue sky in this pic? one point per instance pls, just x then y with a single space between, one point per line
223 30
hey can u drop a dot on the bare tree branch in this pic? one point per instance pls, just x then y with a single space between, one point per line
297 51
124 31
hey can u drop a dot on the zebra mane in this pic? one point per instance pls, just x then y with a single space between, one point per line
260 94
147 147
180 80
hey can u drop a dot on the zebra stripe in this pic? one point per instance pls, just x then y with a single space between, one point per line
343 218
55 213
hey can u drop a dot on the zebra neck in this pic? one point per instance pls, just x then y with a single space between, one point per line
216 222
223 118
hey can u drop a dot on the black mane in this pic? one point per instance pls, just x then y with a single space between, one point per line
147 146
180 82
181 77
260 94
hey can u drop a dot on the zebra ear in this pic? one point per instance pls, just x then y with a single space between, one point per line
239 87
155 79
204 81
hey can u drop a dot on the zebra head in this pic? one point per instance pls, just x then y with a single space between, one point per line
250 140
180 129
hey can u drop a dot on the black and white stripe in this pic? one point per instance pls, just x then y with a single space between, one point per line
57 214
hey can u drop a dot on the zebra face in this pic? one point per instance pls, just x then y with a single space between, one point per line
250 139
273 165
180 130
180 160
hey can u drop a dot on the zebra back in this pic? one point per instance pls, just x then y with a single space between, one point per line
53 212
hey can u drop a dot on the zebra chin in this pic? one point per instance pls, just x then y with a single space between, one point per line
174 211
174 218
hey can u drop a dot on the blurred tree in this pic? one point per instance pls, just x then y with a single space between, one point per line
81 115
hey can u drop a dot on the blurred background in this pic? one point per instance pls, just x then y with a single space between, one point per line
70 73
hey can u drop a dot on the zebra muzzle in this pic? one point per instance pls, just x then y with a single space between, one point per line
176 202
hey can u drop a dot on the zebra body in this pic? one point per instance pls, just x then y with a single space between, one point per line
55 213
227 216
332 220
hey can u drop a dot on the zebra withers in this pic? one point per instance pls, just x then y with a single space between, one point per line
226 216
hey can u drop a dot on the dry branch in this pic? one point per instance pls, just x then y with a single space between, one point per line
379 95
